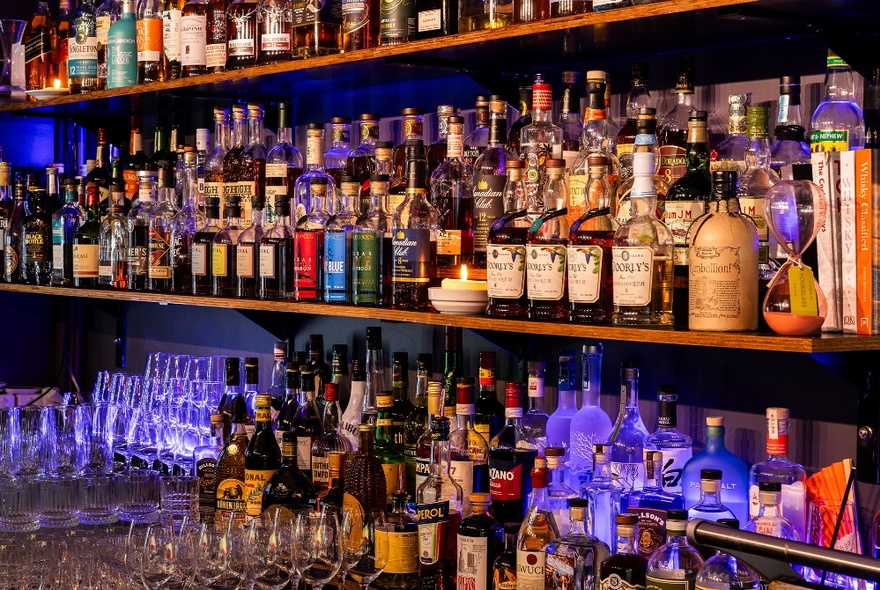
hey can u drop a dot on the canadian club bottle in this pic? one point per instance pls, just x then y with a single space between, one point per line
230 475
365 479
288 489
261 459
479 543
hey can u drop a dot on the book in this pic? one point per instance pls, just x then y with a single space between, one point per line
826 173
864 243
848 296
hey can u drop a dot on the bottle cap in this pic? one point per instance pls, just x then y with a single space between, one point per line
366 427
331 392
790 85
425 362
480 498
453 338
512 394
769 486
412 112
511 528
340 120
216 419
446 110
710 474
578 503
358 370
516 164
384 400
379 178
626 519
714 420
369 117
464 395
757 118
777 413
592 348
336 463
678 515
264 400
554 451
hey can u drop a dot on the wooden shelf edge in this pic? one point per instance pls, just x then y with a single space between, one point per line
642 11
740 340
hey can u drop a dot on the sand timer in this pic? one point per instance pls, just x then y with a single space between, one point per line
795 213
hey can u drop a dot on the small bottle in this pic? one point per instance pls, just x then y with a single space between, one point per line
205 468
710 506
288 488
769 520
261 459
480 540
506 250
626 568
723 571
572 561
675 562
627 438
559 422
677 447
791 145
558 493
401 571
650 505
837 124
535 419
537 530
547 247
489 412
590 425
113 245
730 154
504 566
604 497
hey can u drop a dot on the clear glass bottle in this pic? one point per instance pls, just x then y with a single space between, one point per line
594 141
201 248
477 140
677 447
417 422
214 159
361 161
646 141
572 561
284 164
650 505
402 568
424 442
330 441
626 568
65 222
308 242
837 123
113 246
452 196
453 368
559 422
223 255
627 438
547 247
769 520
540 141
506 248
676 562
367 247
570 120
336 158
558 493
537 530
730 154
590 425
672 136
186 223
232 159
710 506
603 496
251 178
468 450
375 372
535 418
276 255
791 145
639 97
302 195
354 411
723 571
160 267
338 238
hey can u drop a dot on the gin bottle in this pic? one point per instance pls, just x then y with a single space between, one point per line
626 568
769 520
627 438
677 447
778 468
650 505
535 419
537 530
710 506
559 422
723 571
604 498
572 561
479 543
676 563
558 494
590 425
540 141
838 123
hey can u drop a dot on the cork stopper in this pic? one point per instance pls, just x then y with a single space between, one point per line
715 421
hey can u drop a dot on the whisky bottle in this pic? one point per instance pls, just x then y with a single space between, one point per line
215 36
506 260
365 477
361 161
113 245
336 158
82 49
436 152
397 22
85 244
452 195
37 42
205 469
159 247
478 15
262 459
367 248
302 204
193 38
276 255
538 529
276 19
247 252
36 259
241 34
284 163
149 41
288 489
171 38
360 28
202 255
65 222
317 32
338 246
251 179
223 253
413 121
230 471
546 249
626 568
672 137
540 141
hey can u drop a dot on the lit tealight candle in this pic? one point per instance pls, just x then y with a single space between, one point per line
463 284
56 84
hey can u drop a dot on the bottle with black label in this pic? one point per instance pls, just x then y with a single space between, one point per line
231 500
205 464
36 263
288 489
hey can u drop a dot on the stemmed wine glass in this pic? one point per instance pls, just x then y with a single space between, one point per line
269 543
370 543
317 548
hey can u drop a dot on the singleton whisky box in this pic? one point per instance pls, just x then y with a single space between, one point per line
848 296
826 174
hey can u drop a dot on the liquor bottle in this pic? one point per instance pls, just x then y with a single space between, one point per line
351 417
284 163
642 256
338 245
436 152
279 374
292 387
724 257
491 172
417 421
202 260
276 255
489 412
251 387
650 505
37 42
82 49
215 36
676 562
468 450
137 160
673 132
85 243
365 477
424 444
262 459
65 222
375 372
214 169
171 38
54 196
359 29
559 422
512 454
389 451
330 441
400 392
626 568
604 498
507 238
414 238
477 15
871 102
723 571
403 548
302 204
504 566
397 22
251 176
139 231
308 244
476 142
480 540
608 4
288 489
162 152
205 469
569 111
837 124
159 248
247 251
537 530
307 423
540 142
558 493
193 38
113 244
453 369
186 222
100 174
590 239
769 519
436 18
361 161
730 154
779 469
232 159
275 22
339 374
223 253
791 145
14 234
576 555
452 196
367 251
647 142
317 32
677 447
709 506
230 472
590 425
413 128
149 41
241 34
628 435
336 158
547 247
639 97
594 140
535 418
36 251
439 509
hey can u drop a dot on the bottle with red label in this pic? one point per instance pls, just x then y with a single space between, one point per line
308 246
537 530
511 458
539 141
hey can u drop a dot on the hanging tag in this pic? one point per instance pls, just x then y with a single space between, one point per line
802 289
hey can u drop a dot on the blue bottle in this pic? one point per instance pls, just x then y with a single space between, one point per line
735 473
337 245
559 423
122 49
650 505
590 425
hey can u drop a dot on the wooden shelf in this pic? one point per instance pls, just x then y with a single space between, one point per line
740 340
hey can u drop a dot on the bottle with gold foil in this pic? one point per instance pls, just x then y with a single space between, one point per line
389 451
261 459
723 263
230 474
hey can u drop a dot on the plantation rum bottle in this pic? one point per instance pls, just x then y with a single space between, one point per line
262 459
626 568
230 473
546 250
506 248
241 34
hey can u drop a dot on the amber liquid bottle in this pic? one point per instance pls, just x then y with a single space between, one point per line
546 251
38 42
241 34
262 459
275 38
317 32
506 259
230 473
215 33
365 479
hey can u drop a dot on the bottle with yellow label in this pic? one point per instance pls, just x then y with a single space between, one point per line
261 459
230 474
403 548
388 449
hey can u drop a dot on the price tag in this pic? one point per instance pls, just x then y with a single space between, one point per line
802 289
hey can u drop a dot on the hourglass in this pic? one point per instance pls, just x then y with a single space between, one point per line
795 213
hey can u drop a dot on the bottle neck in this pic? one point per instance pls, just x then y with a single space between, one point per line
331 417
601 470
340 135
625 540
757 154
839 84
639 97
714 438
769 508
221 135
255 130
710 497
592 379
239 127
577 527
790 112
285 136
497 129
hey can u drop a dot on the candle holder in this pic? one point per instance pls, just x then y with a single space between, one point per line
458 302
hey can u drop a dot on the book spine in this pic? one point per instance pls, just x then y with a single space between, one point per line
875 239
848 240
828 252
864 246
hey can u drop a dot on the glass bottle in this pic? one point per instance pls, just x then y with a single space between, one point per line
723 571
361 161
572 561
186 222
353 413
288 489
626 568
100 174
417 421
317 32
639 97
82 49
36 259
308 243
512 453
837 123
284 164
531 11
160 253
37 43
320 368
534 421
401 571
730 154
330 441
85 243
650 505
359 27
413 125
65 222
367 247
710 507
468 450
476 142
397 22
590 425
546 248
676 562
113 245
400 392
171 38
214 169
375 372
139 230
338 239
558 493
262 459
241 34
540 141
149 46
453 369
247 252
569 109
223 253
478 15
230 472
504 566
14 234
628 435
593 141
307 423
276 255
302 204
537 530
424 444
791 145
204 461
193 38
388 450
769 519
336 158
603 496
779 469
647 142
479 543
365 477
452 195
435 153
642 256
608 4
275 22
251 176
339 375
489 412
559 422
292 386
677 447
215 36
279 374
506 248
672 137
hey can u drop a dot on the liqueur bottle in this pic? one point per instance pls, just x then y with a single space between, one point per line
149 41
308 244
489 412
791 145
389 451
504 566
837 124
572 561
477 140
537 530
730 154
241 34
416 423
331 441
559 422
452 196
535 419
37 42
672 137
590 425
506 248
85 243
547 247
36 251
113 245
540 141
453 369
650 504
512 454
230 473
558 493
723 571
401 571
289 489
603 496
317 32
274 31
479 543
262 459
676 563
205 469
710 506
82 49
193 38
336 158
335 497
307 423
276 255
365 476
628 435
367 248
284 164
338 239
626 568
65 222
468 450
215 36
677 447
492 170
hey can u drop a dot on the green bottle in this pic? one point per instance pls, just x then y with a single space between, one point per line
122 49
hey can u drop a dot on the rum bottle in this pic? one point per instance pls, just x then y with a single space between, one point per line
288 489
511 455
452 195
36 251
538 529
193 38
241 34
367 248
276 255
506 248
149 41
480 540
230 473
308 244
317 32
202 255
547 247
626 568
275 23
85 243
82 49
38 41
365 477
113 245
262 459
224 257
572 561
672 137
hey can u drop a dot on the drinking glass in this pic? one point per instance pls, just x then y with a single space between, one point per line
97 425
7 442
179 499
11 50
98 499
159 562
138 495
220 556
270 551
822 516
59 500
19 504
63 453
317 534
367 541
28 433
114 390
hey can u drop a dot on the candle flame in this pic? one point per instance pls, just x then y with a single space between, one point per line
464 272
56 83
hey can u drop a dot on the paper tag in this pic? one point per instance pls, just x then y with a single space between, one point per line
802 288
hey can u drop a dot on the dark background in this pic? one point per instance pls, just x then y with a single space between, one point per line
23 9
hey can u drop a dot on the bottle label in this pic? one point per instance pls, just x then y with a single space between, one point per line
577 201
267 261
430 20
192 40
397 20
545 274
365 257
717 282
431 518
652 583
104 269
529 570
304 453
336 246
275 42
488 206
321 471
240 48
82 61
403 551
159 254
449 242
652 529
584 273
673 466
791 508
149 39
205 470
36 247
632 270
393 472
754 208
506 270
462 473
38 45
255 481
215 55
322 11
628 476
244 261
473 563
171 34
678 217
673 163
829 140
615 582
483 430
559 570
412 256
85 261
305 262
218 260
505 480
231 497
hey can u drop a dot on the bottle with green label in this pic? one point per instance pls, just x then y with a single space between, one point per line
122 49
838 124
